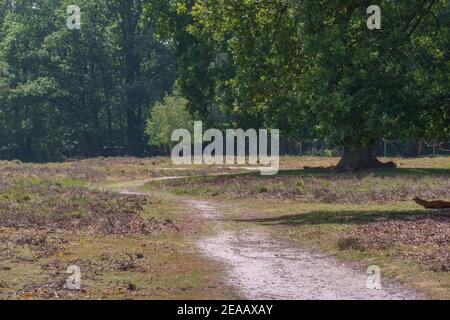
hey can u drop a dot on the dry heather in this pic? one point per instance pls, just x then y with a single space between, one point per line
427 238
48 205
101 169
42 222
326 188
54 286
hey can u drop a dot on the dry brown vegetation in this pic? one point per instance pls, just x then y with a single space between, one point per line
107 169
409 243
129 246
431 233
45 205
324 187
369 217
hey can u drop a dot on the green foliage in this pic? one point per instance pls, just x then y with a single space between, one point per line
69 93
167 116
310 68
202 66
366 85
313 67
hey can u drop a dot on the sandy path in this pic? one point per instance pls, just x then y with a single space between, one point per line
260 267
263 268
134 187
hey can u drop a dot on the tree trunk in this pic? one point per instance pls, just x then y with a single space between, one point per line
420 148
361 159
130 13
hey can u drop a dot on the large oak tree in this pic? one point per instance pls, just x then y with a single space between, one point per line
314 65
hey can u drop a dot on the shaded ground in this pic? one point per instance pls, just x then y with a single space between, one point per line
321 186
428 233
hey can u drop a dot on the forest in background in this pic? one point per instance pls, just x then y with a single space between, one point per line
78 93
310 68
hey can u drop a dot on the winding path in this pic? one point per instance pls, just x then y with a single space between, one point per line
260 267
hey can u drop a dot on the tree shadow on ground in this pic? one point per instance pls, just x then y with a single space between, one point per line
416 172
350 217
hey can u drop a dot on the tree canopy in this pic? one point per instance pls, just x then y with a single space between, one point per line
68 93
314 66
311 68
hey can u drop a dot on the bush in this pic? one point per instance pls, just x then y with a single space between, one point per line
166 117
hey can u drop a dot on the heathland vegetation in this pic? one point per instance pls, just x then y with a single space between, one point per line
83 112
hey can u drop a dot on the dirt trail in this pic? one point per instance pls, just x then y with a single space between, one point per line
263 268
134 187
260 267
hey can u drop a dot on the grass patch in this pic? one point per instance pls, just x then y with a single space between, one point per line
31 203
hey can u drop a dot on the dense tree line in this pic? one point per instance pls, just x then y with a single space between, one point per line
311 68
87 92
